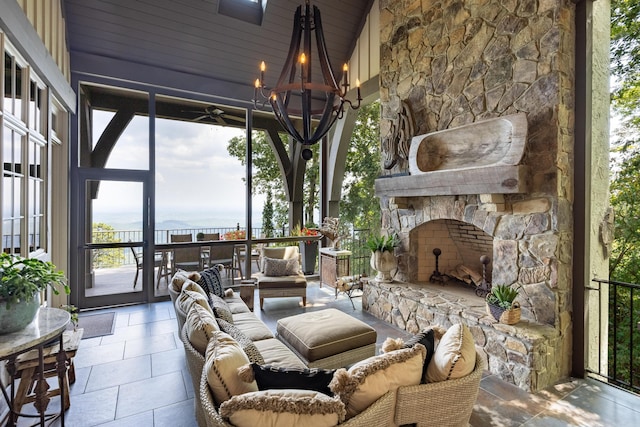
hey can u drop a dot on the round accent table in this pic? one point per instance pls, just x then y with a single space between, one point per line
46 328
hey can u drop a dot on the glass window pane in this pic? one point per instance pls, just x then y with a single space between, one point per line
17 108
8 82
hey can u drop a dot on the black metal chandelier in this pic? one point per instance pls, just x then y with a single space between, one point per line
320 103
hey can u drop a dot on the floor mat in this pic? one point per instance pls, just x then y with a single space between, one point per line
97 325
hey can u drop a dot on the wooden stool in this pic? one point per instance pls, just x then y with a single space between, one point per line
27 370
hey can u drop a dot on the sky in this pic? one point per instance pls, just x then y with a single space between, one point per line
196 180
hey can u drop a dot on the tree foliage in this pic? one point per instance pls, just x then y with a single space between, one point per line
625 187
267 216
360 207
625 58
266 174
105 258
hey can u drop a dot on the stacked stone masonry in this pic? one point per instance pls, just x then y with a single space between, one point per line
456 62
527 354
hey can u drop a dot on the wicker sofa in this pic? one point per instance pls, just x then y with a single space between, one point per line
447 403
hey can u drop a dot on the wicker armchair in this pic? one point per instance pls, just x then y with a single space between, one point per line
445 404
294 285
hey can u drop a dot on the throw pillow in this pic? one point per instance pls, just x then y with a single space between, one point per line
181 277
199 327
187 298
190 285
455 355
281 267
368 380
222 359
283 408
220 308
275 377
211 281
427 339
247 345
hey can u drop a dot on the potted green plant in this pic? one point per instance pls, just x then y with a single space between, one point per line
383 259
21 281
501 304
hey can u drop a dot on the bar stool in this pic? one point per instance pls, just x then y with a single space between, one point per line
27 370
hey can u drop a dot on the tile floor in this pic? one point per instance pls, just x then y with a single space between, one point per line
138 377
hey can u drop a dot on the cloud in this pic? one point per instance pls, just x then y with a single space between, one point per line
194 173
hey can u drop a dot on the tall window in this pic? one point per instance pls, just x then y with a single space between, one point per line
24 142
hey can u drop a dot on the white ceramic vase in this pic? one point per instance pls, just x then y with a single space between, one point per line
384 262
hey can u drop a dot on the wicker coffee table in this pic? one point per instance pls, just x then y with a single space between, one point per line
328 338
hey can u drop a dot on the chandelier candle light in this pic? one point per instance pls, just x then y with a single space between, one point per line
299 84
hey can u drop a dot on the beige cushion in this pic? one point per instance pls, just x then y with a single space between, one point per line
252 326
276 282
275 353
287 252
236 304
283 408
275 267
187 298
223 358
199 327
368 380
454 357
190 285
339 333
180 277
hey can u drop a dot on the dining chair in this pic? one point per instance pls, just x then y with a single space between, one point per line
188 259
159 261
219 254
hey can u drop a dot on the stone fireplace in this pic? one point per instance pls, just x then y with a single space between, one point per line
488 87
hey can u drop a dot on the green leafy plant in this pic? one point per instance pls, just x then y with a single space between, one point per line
21 278
380 243
503 296
73 312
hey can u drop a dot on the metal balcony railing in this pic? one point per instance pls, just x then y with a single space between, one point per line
622 340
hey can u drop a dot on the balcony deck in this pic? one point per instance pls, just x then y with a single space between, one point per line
138 376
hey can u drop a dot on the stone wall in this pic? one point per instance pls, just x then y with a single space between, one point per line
528 355
456 62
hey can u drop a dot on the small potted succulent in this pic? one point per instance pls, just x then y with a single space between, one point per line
383 259
21 281
501 304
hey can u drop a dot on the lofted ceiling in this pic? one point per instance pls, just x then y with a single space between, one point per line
190 38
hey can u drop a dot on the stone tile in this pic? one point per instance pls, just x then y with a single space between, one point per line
168 361
592 404
120 372
161 327
99 354
490 410
148 345
90 342
144 419
177 415
152 393
532 404
147 316
82 376
126 332
188 382
90 409
122 319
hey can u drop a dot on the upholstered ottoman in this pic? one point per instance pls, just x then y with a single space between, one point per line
327 338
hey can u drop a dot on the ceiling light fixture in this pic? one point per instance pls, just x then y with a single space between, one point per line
320 103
